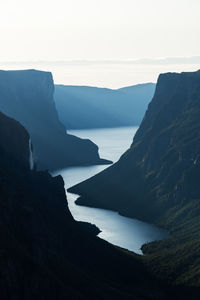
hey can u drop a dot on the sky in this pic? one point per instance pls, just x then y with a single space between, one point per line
119 30
103 29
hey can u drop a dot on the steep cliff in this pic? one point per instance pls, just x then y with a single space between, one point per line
27 96
14 144
91 107
44 253
157 179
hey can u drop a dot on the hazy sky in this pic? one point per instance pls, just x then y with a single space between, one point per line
103 29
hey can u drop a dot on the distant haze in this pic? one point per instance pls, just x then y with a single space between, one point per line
108 73
124 39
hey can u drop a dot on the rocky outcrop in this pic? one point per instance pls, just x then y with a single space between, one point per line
14 150
27 96
91 107
91 228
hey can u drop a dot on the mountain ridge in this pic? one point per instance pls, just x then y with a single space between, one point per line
81 107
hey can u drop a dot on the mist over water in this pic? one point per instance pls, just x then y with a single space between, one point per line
118 230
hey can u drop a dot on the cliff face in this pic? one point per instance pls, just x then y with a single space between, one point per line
157 179
163 156
14 146
27 96
91 107
44 253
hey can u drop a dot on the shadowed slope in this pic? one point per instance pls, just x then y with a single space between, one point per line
91 107
27 96
157 179
44 253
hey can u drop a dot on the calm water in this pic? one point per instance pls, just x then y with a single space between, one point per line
118 230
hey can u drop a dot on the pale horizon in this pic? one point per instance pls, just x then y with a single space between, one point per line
112 74
109 44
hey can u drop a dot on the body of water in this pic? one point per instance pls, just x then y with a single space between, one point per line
118 230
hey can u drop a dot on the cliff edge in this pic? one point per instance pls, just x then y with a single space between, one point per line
27 96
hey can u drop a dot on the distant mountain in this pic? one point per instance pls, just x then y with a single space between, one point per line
90 107
27 96
158 178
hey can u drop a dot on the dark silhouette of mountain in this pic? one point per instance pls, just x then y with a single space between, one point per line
157 179
44 253
91 107
27 96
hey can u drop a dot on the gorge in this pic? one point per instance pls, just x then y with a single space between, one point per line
124 232
160 172
46 254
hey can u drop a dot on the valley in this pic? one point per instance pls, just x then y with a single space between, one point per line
125 232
